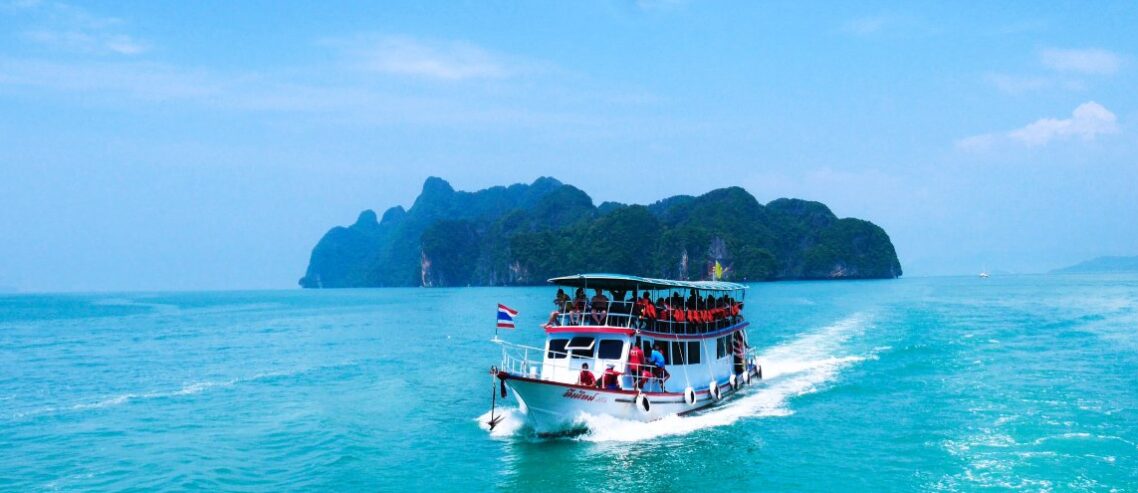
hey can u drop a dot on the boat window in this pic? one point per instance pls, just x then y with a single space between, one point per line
557 348
693 352
581 346
720 347
666 350
678 350
610 349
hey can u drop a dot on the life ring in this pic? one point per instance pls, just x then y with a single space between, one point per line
733 381
643 404
713 390
689 396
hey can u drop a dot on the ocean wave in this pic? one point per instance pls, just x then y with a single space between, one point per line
186 389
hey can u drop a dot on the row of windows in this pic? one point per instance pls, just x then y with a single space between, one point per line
675 352
582 347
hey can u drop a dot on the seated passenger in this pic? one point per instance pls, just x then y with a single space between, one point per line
560 299
610 379
574 313
586 377
600 307
579 299
566 308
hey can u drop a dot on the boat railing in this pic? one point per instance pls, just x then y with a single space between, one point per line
624 314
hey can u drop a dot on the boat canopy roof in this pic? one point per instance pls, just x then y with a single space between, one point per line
621 281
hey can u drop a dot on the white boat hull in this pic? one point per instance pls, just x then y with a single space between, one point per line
554 407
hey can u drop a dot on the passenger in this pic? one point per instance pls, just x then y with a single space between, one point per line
600 307
574 313
645 377
693 300
567 309
561 298
586 377
635 362
610 379
657 362
561 301
580 300
647 311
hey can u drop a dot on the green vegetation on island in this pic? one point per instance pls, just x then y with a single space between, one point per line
525 234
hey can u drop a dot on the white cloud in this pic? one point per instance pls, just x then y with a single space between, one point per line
444 60
1089 121
1089 61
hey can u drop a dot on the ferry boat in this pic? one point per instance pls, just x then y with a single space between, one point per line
696 326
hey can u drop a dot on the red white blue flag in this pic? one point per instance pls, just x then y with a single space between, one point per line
506 316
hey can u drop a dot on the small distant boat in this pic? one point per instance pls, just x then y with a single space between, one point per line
984 273
697 326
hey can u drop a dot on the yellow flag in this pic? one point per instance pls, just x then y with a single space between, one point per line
718 271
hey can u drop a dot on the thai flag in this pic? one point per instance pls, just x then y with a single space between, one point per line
506 316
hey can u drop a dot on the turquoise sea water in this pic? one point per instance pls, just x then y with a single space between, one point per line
947 384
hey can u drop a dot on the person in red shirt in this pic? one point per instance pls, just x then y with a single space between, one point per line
635 362
586 377
610 379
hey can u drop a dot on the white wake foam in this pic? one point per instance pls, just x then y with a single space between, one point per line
800 366
512 421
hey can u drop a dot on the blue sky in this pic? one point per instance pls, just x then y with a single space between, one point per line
209 145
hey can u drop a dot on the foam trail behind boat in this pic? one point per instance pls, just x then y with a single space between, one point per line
798 367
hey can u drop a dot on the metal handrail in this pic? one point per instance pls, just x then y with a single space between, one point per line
624 318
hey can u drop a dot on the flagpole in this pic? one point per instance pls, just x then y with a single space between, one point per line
495 339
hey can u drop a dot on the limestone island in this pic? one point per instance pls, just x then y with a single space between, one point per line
525 234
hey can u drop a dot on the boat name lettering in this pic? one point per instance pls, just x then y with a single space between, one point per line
578 394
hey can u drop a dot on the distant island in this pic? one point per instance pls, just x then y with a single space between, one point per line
525 234
1100 265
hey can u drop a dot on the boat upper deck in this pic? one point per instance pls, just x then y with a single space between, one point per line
656 305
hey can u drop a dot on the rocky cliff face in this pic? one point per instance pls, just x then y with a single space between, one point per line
524 234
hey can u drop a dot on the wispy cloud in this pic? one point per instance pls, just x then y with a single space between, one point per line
65 27
430 59
1087 61
1087 122
1066 69
87 42
1020 84
864 26
887 24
